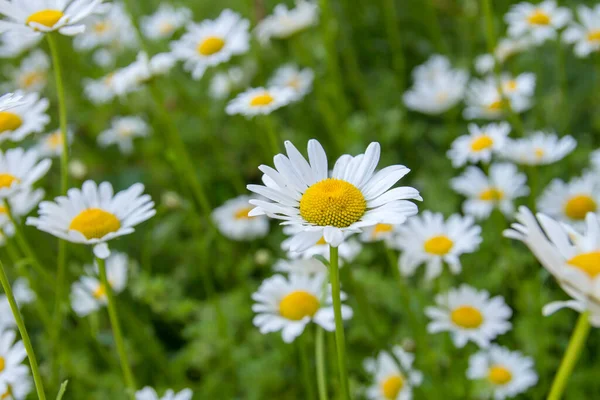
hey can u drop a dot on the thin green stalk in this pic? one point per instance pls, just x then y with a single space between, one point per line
433 24
340 342
37 378
116 327
309 389
561 72
271 131
395 41
320 359
580 334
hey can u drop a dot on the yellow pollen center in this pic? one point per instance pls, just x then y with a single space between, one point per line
382 228
587 262
499 375
47 18
594 36
496 105
55 140
492 194
95 223
294 83
210 45
322 241
439 245
510 85
32 78
6 180
242 213
467 317
9 121
100 292
3 210
101 27
165 28
481 143
298 304
2 364
538 17
391 386
539 153
332 202
578 206
263 99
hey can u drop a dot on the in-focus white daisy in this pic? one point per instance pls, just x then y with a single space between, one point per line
506 48
355 196
379 232
148 393
428 239
94 215
484 100
21 204
110 27
469 315
538 148
212 42
233 221
224 83
586 34
28 117
12 44
19 169
260 101
165 21
285 22
390 380
484 193
437 86
347 250
32 74
10 100
41 16
51 144
523 85
539 21
479 144
290 76
100 91
122 131
142 70
571 202
289 304
18 388
12 356
88 294
504 373
301 266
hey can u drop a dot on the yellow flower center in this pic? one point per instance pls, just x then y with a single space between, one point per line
6 180
382 228
9 121
499 375
32 78
242 213
578 206
101 27
298 304
2 364
3 210
492 194
95 223
481 143
166 27
496 105
210 45
587 262
391 386
55 140
294 83
467 317
594 36
538 17
45 17
332 202
260 100
539 153
510 86
100 292
439 245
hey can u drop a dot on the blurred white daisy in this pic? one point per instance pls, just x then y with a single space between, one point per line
285 22
571 202
212 42
233 221
94 215
595 160
354 197
538 148
428 239
586 34
104 58
390 380
301 266
11 100
32 74
122 131
506 48
347 250
26 118
12 44
484 100
469 315
289 304
51 144
12 355
479 144
260 101
224 83
42 16
523 85
539 21
19 169
484 193
142 70
110 27
100 91
148 393
88 294
381 231
290 76
165 21
23 295
504 373
18 387
77 169
21 204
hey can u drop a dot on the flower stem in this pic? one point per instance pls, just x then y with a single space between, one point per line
334 276
114 321
580 333
37 378
272 136
320 358
395 42
434 27
309 389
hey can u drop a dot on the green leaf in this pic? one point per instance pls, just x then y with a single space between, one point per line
63 389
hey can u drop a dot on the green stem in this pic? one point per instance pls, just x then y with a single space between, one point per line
395 41
37 378
309 389
563 117
580 334
320 358
116 327
334 276
434 27
272 136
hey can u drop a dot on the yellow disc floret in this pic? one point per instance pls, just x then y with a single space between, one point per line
578 206
263 99
9 121
298 304
210 45
95 223
499 375
587 262
439 245
492 194
6 180
467 317
332 202
47 18
538 17
242 213
481 143
391 386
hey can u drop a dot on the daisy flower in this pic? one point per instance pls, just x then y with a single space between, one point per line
301 266
212 42
100 91
539 21
506 48
93 215
484 193
223 83
26 118
285 22
289 304
51 144
109 27
12 356
354 197
479 144
390 380
165 21
32 74
21 204
539 148
122 131
43 16
142 70
347 250
19 169
586 35
88 294
290 76
469 315
12 44
379 232
521 86
484 101
77 169
148 393
260 101
233 221
428 239
504 373
18 388
571 202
